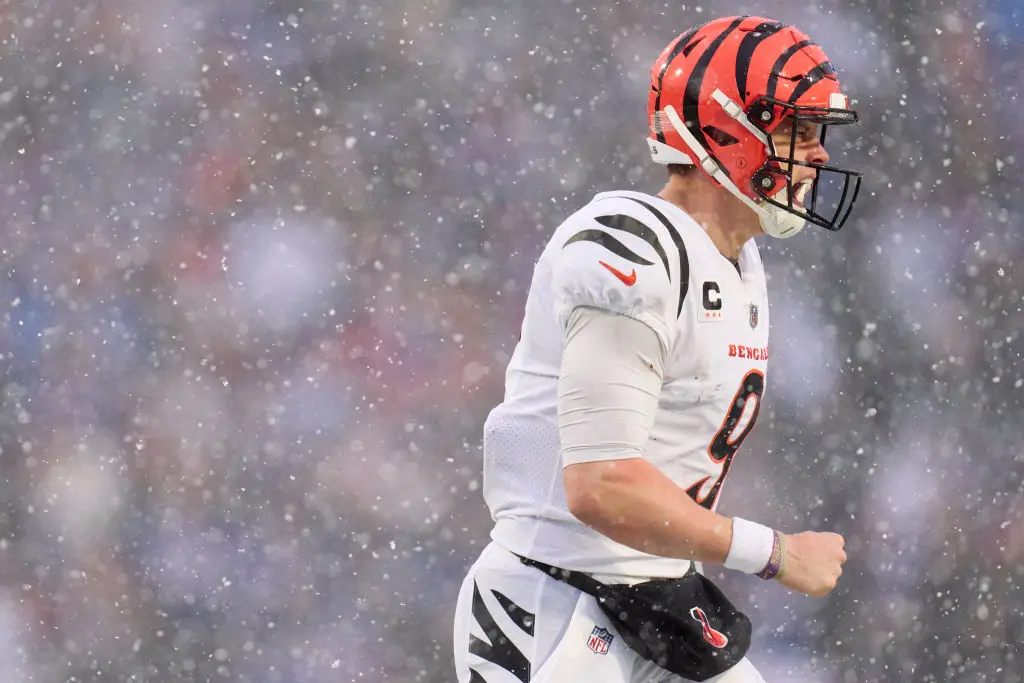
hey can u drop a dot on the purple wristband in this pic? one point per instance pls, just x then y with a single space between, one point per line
775 561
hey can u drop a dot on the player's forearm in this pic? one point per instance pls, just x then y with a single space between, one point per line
636 505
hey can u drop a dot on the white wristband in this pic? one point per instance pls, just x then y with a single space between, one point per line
751 547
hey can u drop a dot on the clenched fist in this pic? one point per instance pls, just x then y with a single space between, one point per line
812 562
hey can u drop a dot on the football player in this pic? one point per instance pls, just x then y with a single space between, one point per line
639 373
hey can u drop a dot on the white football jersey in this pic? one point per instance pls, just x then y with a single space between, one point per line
640 256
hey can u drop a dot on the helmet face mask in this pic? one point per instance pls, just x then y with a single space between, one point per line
773 183
720 91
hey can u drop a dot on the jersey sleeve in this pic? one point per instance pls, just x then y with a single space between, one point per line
607 415
617 262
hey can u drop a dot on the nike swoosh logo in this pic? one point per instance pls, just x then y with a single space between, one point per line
628 280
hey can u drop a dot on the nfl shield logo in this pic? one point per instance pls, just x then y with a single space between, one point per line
753 316
600 639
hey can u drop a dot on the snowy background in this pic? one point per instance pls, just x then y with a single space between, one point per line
264 263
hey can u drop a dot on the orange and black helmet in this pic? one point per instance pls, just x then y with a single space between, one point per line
719 91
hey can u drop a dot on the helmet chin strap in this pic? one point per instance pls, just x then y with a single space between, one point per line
775 221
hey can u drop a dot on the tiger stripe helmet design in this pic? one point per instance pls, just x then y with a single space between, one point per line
718 93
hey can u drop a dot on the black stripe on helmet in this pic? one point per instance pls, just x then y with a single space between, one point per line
763 32
813 76
691 97
680 45
780 64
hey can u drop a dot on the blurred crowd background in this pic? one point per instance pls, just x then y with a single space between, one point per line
264 263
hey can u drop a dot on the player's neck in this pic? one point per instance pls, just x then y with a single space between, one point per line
727 221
